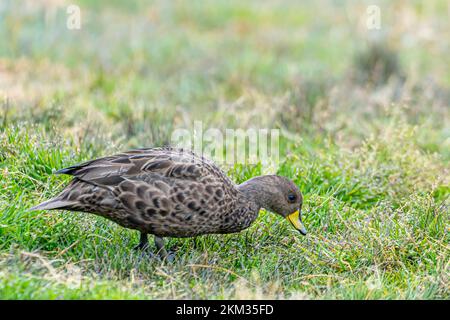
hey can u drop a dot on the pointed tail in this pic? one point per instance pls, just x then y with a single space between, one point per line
51 204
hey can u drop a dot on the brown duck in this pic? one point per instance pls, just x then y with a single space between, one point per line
171 192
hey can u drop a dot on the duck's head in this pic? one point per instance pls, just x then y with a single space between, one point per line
279 195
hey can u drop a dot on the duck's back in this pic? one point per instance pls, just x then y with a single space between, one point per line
163 191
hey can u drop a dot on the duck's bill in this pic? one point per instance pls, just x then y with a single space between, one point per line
295 220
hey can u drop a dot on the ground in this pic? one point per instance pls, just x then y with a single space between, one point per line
364 115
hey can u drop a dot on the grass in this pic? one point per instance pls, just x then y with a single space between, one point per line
369 150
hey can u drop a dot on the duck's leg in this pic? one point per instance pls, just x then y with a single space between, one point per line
143 242
159 242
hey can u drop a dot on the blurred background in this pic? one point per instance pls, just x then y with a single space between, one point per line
137 69
362 104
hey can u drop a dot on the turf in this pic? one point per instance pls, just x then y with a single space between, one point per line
370 150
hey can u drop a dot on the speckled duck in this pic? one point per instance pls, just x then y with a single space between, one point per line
172 192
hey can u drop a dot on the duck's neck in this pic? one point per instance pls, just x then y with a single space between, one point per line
258 190
252 196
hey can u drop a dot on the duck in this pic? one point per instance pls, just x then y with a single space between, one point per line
173 192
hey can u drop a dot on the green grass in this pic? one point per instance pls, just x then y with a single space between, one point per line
371 154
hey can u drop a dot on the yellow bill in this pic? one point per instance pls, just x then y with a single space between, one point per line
296 221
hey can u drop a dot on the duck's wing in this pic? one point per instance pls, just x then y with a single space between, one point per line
158 180
144 163
165 188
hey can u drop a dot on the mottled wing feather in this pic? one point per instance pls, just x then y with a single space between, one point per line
168 162
163 191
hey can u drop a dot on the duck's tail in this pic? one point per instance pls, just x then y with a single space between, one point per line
55 203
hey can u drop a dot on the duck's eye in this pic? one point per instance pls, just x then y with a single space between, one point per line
291 197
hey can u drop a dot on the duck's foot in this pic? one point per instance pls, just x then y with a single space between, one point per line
162 252
170 256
